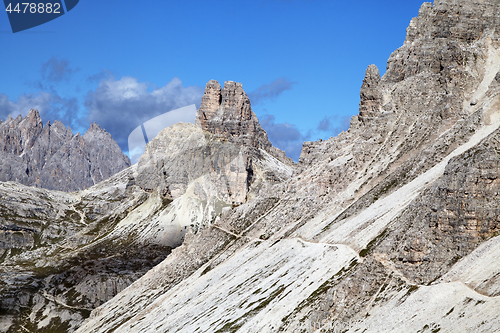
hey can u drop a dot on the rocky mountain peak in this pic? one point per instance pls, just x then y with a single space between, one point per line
391 226
210 103
33 117
440 39
94 127
227 113
370 95
59 128
51 157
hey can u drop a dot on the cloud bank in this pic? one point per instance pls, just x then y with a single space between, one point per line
270 91
50 105
333 125
119 106
285 136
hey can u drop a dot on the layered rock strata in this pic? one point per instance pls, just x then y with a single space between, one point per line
389 227
76 251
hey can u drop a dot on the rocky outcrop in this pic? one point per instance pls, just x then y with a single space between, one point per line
450 219
183 153
57 261
227 113
391 226
79 250
371 97
52 157
226 147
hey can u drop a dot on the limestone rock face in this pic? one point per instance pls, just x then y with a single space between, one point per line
435 38
452 217
184 152
52 158
78 250
227 113
371 97
227 147
57 259
390 227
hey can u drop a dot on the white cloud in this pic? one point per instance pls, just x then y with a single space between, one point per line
41 101
119 106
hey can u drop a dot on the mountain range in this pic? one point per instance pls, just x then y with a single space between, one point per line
391 226
52 157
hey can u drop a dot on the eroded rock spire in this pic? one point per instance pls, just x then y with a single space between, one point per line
228 113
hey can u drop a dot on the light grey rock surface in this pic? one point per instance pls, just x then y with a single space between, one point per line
64 254
391 226
401 208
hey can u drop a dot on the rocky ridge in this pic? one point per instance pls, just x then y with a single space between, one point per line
52 157
64 254
391 226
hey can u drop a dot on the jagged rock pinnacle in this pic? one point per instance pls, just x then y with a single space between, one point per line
53 158
370 95
94 127
228 113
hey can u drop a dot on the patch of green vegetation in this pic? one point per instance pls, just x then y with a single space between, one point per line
330 283
230 327
206 270
4 256
16 251
41 272
467 300
374 243
71 215
266 301
234 326
413 288
454 260
433 328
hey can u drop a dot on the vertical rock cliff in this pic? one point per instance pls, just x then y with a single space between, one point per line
390 227
78 250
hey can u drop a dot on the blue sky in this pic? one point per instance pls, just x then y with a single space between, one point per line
120 63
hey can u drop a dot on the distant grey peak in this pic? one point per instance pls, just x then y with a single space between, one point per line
94 127
52 157
227 113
